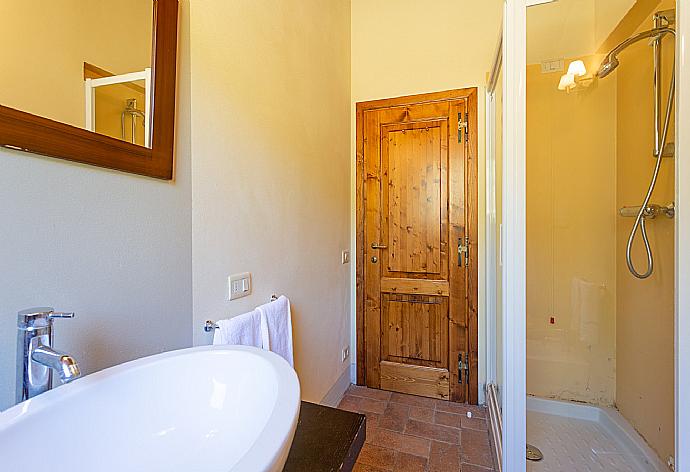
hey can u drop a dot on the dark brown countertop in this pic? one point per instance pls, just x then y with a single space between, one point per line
326 440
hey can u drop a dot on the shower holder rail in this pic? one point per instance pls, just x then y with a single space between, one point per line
652 211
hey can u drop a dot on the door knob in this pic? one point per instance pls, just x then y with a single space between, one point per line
374 259
378 246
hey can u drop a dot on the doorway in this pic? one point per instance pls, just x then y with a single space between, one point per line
417 245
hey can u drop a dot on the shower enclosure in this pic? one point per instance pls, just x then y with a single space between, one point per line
494 272
600 234
113 106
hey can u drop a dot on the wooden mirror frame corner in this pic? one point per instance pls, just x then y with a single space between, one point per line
23 131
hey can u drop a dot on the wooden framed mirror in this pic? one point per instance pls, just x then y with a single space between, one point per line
91 82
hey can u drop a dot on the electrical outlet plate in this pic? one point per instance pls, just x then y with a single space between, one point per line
239 285
345 353
346 257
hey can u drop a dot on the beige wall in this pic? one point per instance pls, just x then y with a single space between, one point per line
271 187
405 47
113 247
43 71
644 337
571 246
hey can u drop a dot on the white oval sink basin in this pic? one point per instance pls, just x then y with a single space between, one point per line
211 408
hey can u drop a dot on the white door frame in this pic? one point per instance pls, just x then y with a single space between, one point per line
513 250
682 288
490 232
491 244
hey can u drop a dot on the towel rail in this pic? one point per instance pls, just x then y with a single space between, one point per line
210 326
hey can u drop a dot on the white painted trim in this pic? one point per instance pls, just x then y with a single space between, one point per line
490 220
513 386
481 251
682 293
335 394
610 419
148 116
119 79
90 109
490 237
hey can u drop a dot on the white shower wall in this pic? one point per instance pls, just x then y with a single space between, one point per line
571 238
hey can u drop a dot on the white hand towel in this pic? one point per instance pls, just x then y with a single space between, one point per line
244 330
276 328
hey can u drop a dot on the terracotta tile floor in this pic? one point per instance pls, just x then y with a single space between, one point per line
417 434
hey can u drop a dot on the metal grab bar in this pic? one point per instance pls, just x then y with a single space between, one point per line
210 325
651 211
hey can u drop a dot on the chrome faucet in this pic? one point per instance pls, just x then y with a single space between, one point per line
36 358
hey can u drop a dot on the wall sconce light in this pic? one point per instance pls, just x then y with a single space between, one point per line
567 82
577 68
576 77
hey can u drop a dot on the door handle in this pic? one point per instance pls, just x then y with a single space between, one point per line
378 246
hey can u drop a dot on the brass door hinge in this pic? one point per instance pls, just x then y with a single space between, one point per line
463 366
464 252
463 127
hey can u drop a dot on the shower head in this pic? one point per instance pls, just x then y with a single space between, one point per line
611 60
609 65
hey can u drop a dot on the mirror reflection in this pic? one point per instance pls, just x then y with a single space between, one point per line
102 84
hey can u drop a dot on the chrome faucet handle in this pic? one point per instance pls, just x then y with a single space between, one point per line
38 318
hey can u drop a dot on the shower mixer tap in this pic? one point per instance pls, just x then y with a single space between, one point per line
651 211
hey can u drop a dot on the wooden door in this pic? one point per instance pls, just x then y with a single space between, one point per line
416 194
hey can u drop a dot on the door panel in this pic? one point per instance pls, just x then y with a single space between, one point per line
415 329
413 211
412 157
423 381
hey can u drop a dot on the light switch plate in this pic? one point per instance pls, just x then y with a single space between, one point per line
552 65
346 257
239 285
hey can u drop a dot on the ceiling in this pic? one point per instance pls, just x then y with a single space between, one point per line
571 28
